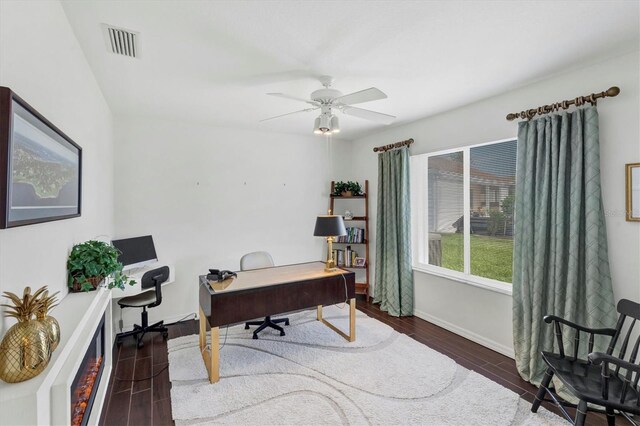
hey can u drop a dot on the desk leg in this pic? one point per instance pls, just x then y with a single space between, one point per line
214 352
203 331
352 320
351 337
210 355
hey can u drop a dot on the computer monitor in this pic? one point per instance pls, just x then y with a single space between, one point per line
136 252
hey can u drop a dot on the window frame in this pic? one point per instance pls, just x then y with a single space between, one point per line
420 219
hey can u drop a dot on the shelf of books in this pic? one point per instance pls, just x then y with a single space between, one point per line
348 258
354 235
353 249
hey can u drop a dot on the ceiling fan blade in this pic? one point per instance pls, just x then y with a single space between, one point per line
293 98
366 95
289 113
378 117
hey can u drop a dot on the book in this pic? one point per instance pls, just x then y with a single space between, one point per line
354 235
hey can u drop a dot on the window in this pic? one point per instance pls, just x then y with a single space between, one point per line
446 209
463 212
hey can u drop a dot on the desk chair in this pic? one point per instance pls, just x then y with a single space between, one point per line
144 300
257 260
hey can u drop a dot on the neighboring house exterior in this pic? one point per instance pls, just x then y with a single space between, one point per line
446 205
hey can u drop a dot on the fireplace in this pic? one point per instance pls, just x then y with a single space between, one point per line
85 384
63 391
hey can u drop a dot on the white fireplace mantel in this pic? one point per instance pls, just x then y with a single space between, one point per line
46 399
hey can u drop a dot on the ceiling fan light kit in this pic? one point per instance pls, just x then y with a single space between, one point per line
335 124
328 99
326 124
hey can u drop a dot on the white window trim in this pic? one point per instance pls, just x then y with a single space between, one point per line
474 280
419 193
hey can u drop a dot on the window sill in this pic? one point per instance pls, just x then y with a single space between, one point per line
485 283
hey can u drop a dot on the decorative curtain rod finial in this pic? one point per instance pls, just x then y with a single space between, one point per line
613 91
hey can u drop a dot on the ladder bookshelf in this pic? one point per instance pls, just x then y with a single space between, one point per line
362 222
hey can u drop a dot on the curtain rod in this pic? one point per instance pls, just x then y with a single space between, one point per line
579 101
385 148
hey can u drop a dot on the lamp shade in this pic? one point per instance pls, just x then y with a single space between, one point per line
329 226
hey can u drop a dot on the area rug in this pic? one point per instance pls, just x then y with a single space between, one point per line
312 376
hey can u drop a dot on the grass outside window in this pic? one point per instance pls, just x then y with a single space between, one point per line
491 257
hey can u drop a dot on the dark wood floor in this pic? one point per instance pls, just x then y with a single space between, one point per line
131 401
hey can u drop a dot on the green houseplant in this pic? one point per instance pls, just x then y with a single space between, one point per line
339 188
347 189
354 187
91 262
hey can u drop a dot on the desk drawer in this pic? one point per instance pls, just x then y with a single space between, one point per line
238 306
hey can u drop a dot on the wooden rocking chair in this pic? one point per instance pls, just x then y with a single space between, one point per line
602 379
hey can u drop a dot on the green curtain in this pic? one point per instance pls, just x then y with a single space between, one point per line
394 275
560 259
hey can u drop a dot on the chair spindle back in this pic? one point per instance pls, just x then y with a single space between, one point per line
631 378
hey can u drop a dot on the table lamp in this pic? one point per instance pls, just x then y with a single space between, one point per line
329 226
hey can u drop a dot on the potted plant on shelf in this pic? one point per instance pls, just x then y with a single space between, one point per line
354 188
91 262
347 189
339 188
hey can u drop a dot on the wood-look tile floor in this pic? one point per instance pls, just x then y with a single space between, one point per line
131 401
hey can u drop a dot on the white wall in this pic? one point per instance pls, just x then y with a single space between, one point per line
47 68
208 195
483 315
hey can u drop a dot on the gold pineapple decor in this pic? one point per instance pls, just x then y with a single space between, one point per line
26 348
50 323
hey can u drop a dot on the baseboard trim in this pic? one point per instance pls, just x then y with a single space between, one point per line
474 337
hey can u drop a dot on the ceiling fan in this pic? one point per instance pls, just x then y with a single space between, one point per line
327 100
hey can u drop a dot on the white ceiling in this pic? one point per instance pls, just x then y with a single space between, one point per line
213 61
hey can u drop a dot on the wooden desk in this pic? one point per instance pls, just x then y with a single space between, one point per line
270 291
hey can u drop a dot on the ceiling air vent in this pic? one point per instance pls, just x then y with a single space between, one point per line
121 41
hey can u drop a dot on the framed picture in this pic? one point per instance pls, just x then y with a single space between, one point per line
633 192
361 262
40 167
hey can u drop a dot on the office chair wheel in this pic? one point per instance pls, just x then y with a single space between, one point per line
165 335
286 322
140 344
118 342
246 326
282 333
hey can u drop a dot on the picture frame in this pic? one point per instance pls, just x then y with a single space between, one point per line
632 172
360 262
40 167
